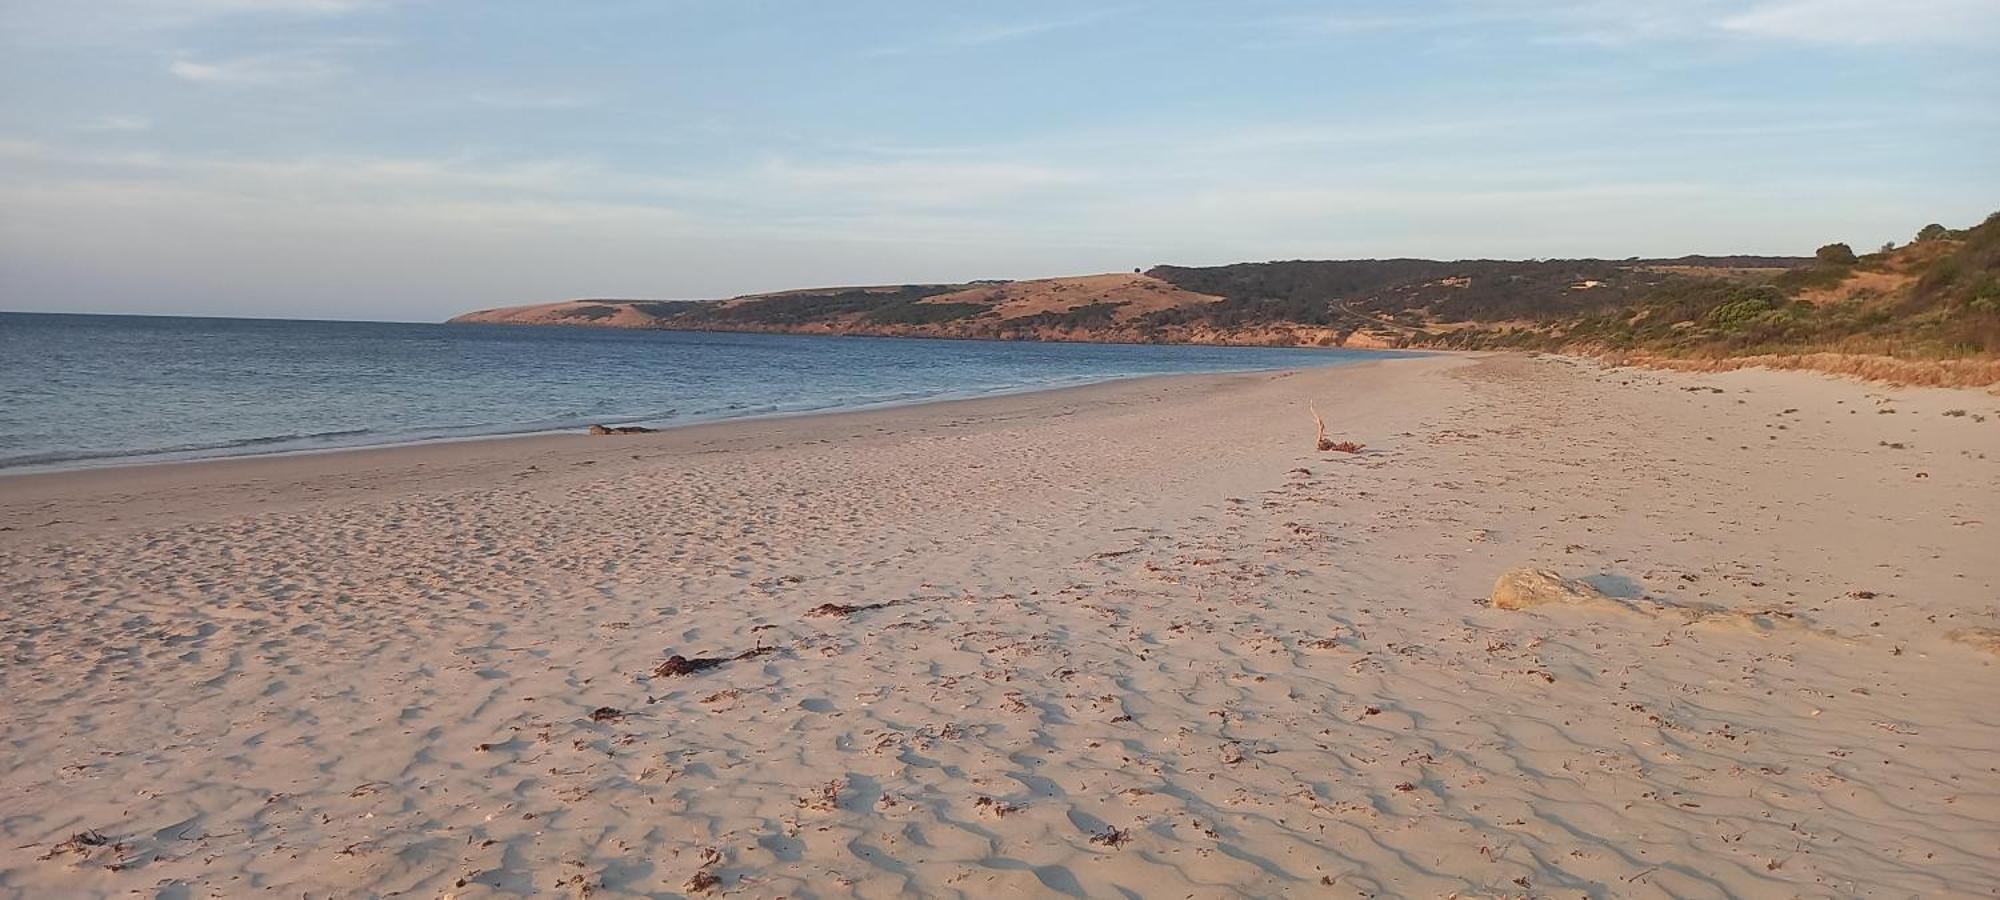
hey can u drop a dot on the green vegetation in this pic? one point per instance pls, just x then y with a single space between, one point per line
806 307
1821 275
913 312
594 312
1413 291
1090 315
1936 298
663 308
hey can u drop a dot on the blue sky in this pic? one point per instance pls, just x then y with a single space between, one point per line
407 160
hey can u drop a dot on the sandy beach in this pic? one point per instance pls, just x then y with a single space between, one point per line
1135 639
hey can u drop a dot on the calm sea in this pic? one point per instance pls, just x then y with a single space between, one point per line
82 390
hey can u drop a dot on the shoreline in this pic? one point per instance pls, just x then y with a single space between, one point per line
1132 636
220 454
407 461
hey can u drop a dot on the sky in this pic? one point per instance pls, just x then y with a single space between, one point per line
410 159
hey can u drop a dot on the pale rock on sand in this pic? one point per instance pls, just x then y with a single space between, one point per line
1525 588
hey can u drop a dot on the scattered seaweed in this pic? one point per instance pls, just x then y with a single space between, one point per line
825 798
1111 837
677 665
846 609
78 843
996 807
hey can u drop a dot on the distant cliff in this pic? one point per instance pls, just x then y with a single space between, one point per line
1938 296
1361 303
1116 307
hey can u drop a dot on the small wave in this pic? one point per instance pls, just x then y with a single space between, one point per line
335 439
180 450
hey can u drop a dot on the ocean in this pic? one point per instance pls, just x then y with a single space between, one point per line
79 390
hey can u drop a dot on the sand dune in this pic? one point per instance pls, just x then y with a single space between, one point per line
1133 639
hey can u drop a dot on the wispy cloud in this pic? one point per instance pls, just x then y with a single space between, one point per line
116 123
1346 23
1862 22
126 26
771 191
253 71
304 61
533 100
984 34
1597 21
171 11
1624 22
401 181
996 33
918 183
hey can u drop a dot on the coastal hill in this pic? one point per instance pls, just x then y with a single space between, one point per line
1936 297
1134 307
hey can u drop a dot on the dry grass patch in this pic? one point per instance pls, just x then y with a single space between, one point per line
1956 373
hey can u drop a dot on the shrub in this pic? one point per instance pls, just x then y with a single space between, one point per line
1743 309
1836 254
912 312
1099 314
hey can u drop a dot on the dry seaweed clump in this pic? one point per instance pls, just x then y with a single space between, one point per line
680 665
996 807
1326 444
1111 837
79 843
844 609
677 665
824 798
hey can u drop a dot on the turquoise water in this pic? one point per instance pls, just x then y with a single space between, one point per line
81 390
